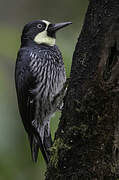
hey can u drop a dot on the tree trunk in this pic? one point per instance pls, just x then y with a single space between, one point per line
87 140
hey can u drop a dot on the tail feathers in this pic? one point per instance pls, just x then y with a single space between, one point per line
34 148
47 141
35 144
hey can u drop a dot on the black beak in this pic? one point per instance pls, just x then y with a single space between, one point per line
54 27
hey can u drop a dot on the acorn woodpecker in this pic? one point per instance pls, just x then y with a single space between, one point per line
40 82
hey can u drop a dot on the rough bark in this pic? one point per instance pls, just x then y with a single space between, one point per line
87 140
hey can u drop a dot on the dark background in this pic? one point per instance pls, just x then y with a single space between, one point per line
15 158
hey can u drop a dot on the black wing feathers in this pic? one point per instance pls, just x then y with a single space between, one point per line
25 82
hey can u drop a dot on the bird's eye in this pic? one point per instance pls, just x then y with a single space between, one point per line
39 26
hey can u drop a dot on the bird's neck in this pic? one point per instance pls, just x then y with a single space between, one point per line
43 38
26 42
31 43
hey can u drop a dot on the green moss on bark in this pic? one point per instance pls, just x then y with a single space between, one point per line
58 146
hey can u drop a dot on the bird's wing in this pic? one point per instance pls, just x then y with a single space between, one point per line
25 79
25 82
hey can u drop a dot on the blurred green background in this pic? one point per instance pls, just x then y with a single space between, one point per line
15 157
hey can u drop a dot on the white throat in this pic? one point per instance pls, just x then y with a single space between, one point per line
42 37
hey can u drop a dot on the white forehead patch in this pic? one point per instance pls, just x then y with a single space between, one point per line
47 23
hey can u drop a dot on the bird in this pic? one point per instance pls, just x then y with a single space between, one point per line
40 81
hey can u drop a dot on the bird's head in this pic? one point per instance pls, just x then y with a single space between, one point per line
41 31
